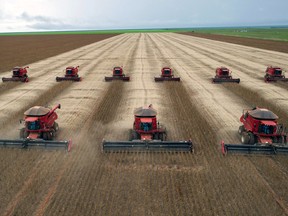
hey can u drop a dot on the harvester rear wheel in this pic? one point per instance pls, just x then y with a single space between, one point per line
245 138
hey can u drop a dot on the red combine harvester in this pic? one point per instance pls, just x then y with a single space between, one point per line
274 74
147 135
223 74
39 131
19 75
260 133
71 74
166 75
118 75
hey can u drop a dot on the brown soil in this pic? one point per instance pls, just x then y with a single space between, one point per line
23 50
89 182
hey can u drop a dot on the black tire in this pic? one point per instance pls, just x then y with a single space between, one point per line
241 129
245 138
281 139
45 135
130 138
251 138
23 133
156 136
55 126
135 135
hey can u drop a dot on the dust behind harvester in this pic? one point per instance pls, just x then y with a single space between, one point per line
117 74
19 74
71 74
40 128
166 75
223 74
147 135
260 133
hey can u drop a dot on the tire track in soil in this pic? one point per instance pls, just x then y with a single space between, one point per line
263 178
5 87
115 89
223 57
56 90
113 47
215 167
251 97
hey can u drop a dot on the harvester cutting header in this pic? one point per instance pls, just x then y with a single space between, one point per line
39 130
166 75
223 74
117 74
147 135
71 74
260 133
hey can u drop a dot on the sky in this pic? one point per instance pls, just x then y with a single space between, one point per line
49 15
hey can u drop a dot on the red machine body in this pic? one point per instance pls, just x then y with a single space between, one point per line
71 74
223 74
166 75
145 125
260 133
118 75
40 123
19 74
274 74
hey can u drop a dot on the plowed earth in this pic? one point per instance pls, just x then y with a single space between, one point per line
89 182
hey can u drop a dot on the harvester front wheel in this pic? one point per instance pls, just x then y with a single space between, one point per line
245 138
23 133
241 129
251 138
55 126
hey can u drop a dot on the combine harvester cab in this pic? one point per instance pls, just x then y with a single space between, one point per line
147 135
118 74
166 75
39 130
274 74
19 74
71 74
223 74
260 133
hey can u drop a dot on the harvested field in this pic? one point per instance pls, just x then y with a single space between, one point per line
88 182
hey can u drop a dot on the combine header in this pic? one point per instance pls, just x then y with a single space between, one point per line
260 133
166 75
147 135
118 75
274 74
71 74
39 131
223 74
19 74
